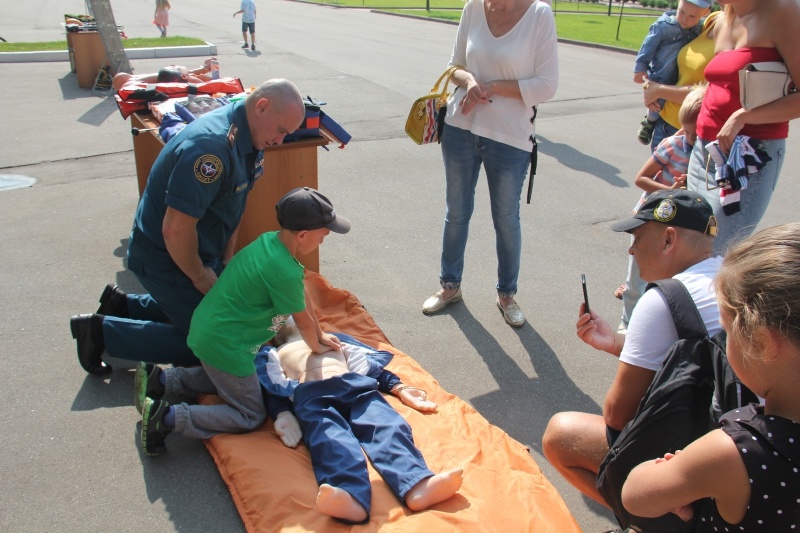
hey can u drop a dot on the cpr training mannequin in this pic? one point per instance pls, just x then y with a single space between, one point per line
340 410
170 73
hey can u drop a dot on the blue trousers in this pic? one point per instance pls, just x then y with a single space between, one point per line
159 321
661 132
506 168
343 414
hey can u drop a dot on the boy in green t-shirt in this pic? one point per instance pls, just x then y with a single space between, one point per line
257 292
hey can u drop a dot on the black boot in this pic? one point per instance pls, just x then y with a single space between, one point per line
87 330
113 302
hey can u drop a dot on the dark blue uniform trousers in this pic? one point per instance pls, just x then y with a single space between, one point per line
159 321
341 415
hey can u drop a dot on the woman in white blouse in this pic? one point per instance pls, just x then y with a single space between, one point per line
507 51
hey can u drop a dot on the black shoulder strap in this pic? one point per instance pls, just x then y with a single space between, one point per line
687 318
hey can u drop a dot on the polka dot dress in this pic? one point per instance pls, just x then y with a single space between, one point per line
770 449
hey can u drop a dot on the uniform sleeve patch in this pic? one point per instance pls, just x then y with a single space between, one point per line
233 131
207 168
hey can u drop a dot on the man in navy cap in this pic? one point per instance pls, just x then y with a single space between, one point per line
184 231
673 235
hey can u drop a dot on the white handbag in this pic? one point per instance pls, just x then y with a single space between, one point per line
762 83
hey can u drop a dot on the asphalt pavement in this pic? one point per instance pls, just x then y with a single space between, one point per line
70 458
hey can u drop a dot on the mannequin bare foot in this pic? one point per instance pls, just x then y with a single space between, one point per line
338 503
434 489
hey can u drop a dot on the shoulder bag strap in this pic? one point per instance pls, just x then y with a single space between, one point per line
687 318
445 77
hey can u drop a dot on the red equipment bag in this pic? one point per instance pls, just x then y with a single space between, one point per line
134 97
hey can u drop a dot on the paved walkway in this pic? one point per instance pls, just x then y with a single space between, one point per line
70 460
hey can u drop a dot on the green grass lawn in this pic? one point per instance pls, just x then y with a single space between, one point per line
586 7
595 29
578 21
395 4
567 6
148 42
603 30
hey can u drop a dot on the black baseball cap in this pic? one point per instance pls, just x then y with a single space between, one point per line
678 208
305 208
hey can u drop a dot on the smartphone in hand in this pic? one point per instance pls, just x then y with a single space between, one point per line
585 294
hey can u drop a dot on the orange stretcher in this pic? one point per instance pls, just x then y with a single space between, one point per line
274 488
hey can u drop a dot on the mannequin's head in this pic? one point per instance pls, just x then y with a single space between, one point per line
288 333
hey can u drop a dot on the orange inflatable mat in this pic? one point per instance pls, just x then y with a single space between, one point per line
274 488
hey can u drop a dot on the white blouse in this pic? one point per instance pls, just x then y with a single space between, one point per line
527 53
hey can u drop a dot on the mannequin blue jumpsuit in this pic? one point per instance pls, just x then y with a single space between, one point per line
341 415
206 172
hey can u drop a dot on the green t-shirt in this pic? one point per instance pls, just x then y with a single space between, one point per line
258 290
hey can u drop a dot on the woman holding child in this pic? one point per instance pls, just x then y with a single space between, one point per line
748 31
692 60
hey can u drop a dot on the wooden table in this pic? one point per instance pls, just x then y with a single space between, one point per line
86 56
286 167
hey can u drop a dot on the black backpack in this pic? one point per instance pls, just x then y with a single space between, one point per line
693 388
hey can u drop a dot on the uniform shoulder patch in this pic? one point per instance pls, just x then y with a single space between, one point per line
233 132
207 168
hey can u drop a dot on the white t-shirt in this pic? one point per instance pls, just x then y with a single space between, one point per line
527 53
652 331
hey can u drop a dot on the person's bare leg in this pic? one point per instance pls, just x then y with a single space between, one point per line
434 489
575 444
244 37
338 503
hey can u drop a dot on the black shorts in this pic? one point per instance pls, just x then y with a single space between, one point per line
249 26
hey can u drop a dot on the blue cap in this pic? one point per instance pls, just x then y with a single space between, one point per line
705 4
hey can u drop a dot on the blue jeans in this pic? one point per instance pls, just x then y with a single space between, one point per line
342 415
662 130
506 167
754 200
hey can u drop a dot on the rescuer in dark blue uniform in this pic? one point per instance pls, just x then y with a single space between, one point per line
184 231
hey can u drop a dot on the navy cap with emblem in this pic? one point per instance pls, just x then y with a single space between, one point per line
305 208
678 208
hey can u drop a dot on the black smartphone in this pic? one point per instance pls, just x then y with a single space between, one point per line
585 294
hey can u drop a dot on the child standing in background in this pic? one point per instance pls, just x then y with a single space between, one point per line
657 59
161 17
248 12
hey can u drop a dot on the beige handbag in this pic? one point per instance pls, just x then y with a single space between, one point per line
426 118
762 83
